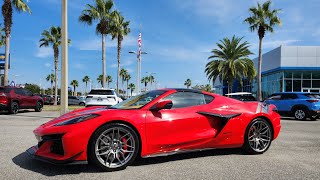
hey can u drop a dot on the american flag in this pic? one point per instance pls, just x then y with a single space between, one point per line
140 44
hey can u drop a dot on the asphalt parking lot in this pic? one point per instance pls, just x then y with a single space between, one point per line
294 155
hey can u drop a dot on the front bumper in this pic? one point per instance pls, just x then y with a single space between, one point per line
72 160
3 106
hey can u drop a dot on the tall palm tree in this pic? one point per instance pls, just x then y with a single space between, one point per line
145 81
230 62
51 78
151 80
132 87
262 18
2 36
75 84
119 29
99 12
100 79
7 11
109 80
207 88
86 79
123 74
53 37
127 79
187 83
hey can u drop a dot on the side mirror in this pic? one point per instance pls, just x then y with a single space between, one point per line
166 104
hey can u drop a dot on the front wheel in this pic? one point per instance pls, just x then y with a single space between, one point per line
82 104
113 147
258 137
38 107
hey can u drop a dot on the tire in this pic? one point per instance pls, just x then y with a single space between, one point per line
14 108
300 113
112 152
39 106
82 104
258 136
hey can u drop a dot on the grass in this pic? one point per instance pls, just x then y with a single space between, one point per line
57 108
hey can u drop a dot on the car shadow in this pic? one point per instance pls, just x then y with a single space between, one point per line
293 119
24 161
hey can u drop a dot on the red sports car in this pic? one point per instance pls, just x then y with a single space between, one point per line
156 123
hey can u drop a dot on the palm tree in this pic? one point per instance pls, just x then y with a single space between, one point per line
75 84
86 79
132 87
109 80
53 37
99 12
230 62
145 80
100 79
51 78
187 83
7 10
262 18
151 80
207 88
127 78
119 29
123 74
2 36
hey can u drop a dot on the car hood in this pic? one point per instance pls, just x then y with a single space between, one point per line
80 112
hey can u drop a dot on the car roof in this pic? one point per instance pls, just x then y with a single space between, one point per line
181 90
101 89
239 93
291 93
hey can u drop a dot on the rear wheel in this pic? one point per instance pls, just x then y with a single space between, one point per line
14 108
39 106
258 137
113 147
82 104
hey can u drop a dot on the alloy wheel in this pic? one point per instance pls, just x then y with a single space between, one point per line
259 136
300 114
115 147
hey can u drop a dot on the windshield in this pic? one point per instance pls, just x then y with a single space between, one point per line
139 101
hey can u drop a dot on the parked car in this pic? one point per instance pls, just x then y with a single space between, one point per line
47 100
102 97
13 98
300 105
156 123
242 96
74 100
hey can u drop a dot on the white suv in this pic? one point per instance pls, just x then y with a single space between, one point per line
102 97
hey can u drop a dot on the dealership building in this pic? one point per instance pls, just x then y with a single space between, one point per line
290 69
285 69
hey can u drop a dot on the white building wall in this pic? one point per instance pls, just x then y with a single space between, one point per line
300 56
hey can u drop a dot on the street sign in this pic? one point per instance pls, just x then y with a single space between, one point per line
2 60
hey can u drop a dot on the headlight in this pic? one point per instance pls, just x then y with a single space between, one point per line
77 119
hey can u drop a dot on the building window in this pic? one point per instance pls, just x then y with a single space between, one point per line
316 75
306 84
287 74
306 75
315 83
288 86
297 75
297 85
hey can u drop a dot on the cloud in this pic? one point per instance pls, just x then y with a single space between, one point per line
79 66
270 44
124 64
47 65
94 44
44 52
223 10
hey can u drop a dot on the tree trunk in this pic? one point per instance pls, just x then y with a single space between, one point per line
51 87
74 90
56 56
103 61
259 95
127 88
118 71
7 15
131 92
122 88
86 88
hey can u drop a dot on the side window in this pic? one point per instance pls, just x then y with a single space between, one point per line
288 96
187 99
19 91
27 92
275 97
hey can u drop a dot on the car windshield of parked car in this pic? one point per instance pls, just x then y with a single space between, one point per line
139 101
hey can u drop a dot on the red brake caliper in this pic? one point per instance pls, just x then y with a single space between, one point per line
124 141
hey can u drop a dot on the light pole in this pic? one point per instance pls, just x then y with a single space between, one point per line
64 59
138 69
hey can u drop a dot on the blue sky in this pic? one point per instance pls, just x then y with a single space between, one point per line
177 34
